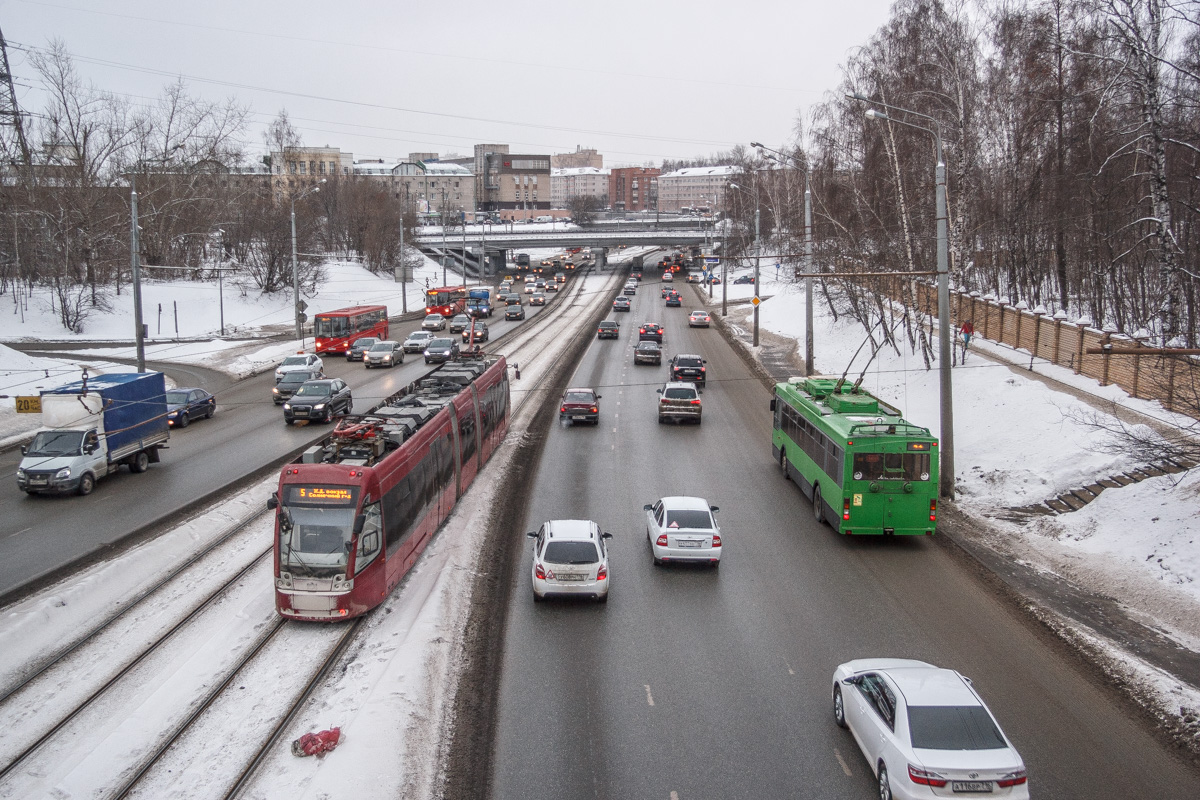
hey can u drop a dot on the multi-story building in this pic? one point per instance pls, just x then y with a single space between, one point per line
693 187
580 158
633 188
427 186
570 182
296 166
514 182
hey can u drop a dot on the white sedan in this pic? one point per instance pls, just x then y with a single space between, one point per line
433 322
683 529
925 731
301 362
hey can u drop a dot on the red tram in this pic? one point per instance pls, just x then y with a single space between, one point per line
355 511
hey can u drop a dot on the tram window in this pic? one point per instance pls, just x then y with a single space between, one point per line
466 433
401 513
370 540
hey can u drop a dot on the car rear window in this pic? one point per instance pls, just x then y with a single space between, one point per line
647 345
571 553
953 728
579 397
687 361
680 394
689 518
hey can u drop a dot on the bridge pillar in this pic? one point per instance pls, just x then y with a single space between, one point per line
600 255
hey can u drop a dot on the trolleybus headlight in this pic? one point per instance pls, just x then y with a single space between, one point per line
924 476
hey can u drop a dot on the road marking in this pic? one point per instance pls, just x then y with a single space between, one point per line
842 761
650 698
790 670
674 795
18 533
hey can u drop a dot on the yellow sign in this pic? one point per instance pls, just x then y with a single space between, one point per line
755 301
858 499
29 405
324 493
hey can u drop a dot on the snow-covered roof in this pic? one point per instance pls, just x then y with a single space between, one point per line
692 172
442 168
375 167
565 171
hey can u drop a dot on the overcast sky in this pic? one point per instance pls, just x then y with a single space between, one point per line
640 80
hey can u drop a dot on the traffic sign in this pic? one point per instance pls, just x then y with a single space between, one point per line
712 260
29 405
301 305
302 318
755 301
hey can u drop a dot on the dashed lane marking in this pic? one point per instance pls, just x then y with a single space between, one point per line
842 761
650 700
674 795
790 670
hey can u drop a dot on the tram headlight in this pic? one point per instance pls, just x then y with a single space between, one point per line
284 581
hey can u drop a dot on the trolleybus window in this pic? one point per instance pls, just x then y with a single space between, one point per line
891 466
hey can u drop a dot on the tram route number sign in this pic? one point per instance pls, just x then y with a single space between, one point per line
321 495
29 405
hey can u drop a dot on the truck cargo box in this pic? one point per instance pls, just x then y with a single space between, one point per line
130 407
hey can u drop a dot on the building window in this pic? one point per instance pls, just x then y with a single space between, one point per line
322 163
292 167
302 166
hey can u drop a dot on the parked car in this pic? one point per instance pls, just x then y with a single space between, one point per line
679 401
318 400
416 341
621 304
674 300
925 731
580 405
608 330
441 350
683 529
434 322
698 319
743 279
481 332
689 367
309 363
187 404
459 323
288 385
651 330
537 299
570 558
514 312
647 351
385 353
360 346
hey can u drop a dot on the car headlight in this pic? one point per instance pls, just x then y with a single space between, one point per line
172 414
287 406
275 390
20 474
318 406
63 474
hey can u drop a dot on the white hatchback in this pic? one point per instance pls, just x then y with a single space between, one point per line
925 731
301 362
683 529
570 557
433 322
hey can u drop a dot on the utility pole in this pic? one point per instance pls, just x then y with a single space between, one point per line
135 259
757 259
808 281
403 268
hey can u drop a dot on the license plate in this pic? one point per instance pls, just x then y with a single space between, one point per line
38 481
971 786
570 577
690 544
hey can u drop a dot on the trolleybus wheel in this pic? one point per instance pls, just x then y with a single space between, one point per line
818 505
783 464
140 462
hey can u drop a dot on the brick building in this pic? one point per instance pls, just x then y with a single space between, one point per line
633 188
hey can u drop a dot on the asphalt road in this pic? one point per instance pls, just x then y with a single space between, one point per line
700 683
39 535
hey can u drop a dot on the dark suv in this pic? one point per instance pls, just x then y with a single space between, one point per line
689 367
318 400
652 331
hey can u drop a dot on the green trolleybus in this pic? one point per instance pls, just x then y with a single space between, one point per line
866 470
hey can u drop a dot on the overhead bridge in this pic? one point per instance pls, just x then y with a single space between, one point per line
570 238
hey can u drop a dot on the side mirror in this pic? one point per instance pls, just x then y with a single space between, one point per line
272 503
658 390
648 507
606 536
24 449
599 396
532 534
853 680
773 403
714 509
359 523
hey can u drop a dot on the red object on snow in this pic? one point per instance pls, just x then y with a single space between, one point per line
317 744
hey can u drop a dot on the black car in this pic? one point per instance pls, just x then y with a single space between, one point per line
513 299
360 346
652 331
185 405
481 332
441 350
674 300
744 279
608 330
514 312
319 400
459 323
385 353
688 367
621 304
647 352
289 383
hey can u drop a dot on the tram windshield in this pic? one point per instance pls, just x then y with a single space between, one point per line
317 545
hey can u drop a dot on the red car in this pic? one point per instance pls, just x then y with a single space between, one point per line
580 405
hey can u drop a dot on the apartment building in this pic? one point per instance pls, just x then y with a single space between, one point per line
633 188
427 186
580 158
570 182
694 186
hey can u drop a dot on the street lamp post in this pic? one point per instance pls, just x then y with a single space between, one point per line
757 258
136 261
946 473
295 263
808 265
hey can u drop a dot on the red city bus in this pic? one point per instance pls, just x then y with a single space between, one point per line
337 330
355 512
446 300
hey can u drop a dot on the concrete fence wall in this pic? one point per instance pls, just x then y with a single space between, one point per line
1172 380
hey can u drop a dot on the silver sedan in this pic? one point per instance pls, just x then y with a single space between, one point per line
683 529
